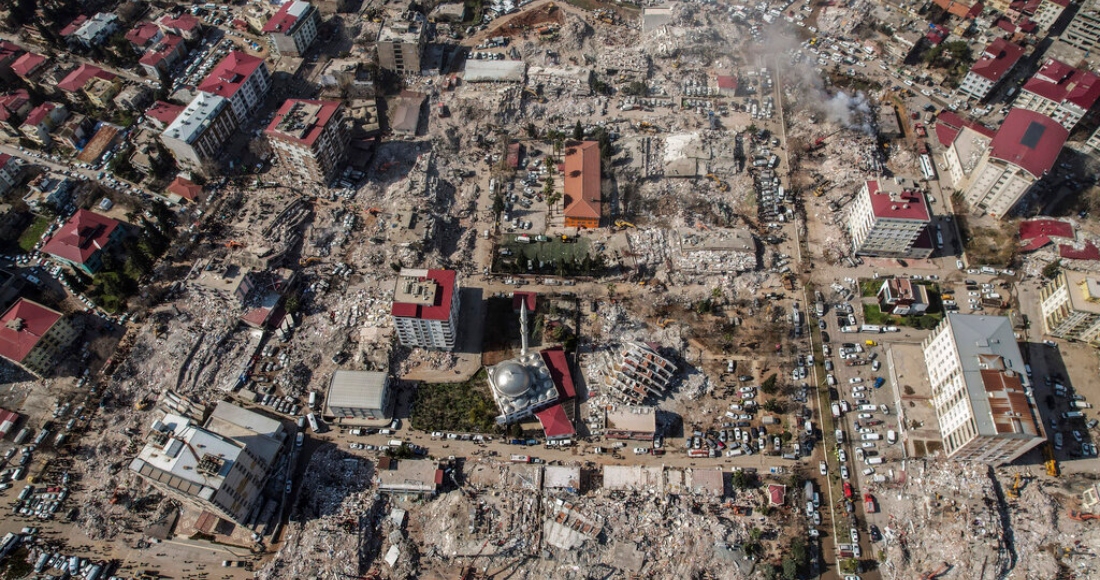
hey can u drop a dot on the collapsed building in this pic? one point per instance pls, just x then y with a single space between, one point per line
638 371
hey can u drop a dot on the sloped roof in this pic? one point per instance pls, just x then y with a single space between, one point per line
9 50
555 423
287 15
183 22
997 59
143 33
1062 83
184 188
1038 233
582 180
77 79
39 113
307 128
157 53
1029 140
22 326
74 25
440 308
12 102
164 112
228 76
82 236
559 372
1087 252
27 63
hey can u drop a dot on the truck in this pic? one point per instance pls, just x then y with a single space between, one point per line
873 460
770 420
891 437
1073 415
520 459
313 423
523 239
869 503
698 453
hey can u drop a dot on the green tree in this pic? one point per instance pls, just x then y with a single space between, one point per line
1051 270
532 130
498 204
769 385
755 534
578 131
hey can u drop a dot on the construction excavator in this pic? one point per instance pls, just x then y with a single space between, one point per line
936 574
308 261
1051 462
231 244
624 224
1080 516
722 185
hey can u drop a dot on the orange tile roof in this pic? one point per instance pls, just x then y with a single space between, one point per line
582 180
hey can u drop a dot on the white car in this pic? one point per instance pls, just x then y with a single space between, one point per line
844 471
824 469
843 456
855 380
854 533
867 444
640 451
864 415
747 389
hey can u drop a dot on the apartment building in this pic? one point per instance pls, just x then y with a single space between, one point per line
221 466
1021 152
186 25
242 79
1061 92
401 43
163 55
94 31
293 28
81 241
425 308
890 221
10 170
196 135
979 390
1083 32
993 65
42 120
1070 307
310 138
35 337
1048 12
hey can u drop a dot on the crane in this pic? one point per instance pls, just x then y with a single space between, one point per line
1080 516
820 141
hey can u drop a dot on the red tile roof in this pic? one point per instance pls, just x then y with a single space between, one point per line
228 76
559 371
727 82
997 59
949 124
1060 83
184 22
143 33
74 25
904 205
8 419
77 79
440 308
582 180
12 102
22 326
1088 252
39 113
1029 140
184 188
158 53
27 64
555 423
313 132
1038 233
82 236
9 50
777 494
282 20
164 112
4 159
526 298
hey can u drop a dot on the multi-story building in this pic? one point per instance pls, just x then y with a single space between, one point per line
581 199
221 466
144 35
1083 32
82 81
1070 306
890 221
14 107
186 25
293 28
359 395
9 51
310 137
42 120
1048 12
242 79
994 64
401 43
1019 155
81 241
163 55
10 169
197 134
979 390
1060 92
30 67
94 31
425 308
35 337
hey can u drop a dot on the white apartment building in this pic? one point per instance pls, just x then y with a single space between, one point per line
1083 32
293 28
888 220
980 390
1022 151
1048 13
992 66
1060 92
198 132
242 79
1070 307
310 137
425 308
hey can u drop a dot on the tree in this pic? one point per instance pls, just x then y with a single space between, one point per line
532 130
498 204
755 534
740 480
768 387
790 569
578 131
1051 270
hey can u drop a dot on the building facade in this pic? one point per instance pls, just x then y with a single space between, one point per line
890 221
293 28
35 337
1060 92
10 169
979 388
359 395
242 79
196 135
42 120
1070 307
401 43
1022 151
993 65
1083 32
310 138
425 308
1048 12
221 466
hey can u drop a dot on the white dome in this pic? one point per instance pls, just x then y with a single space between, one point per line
511 379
